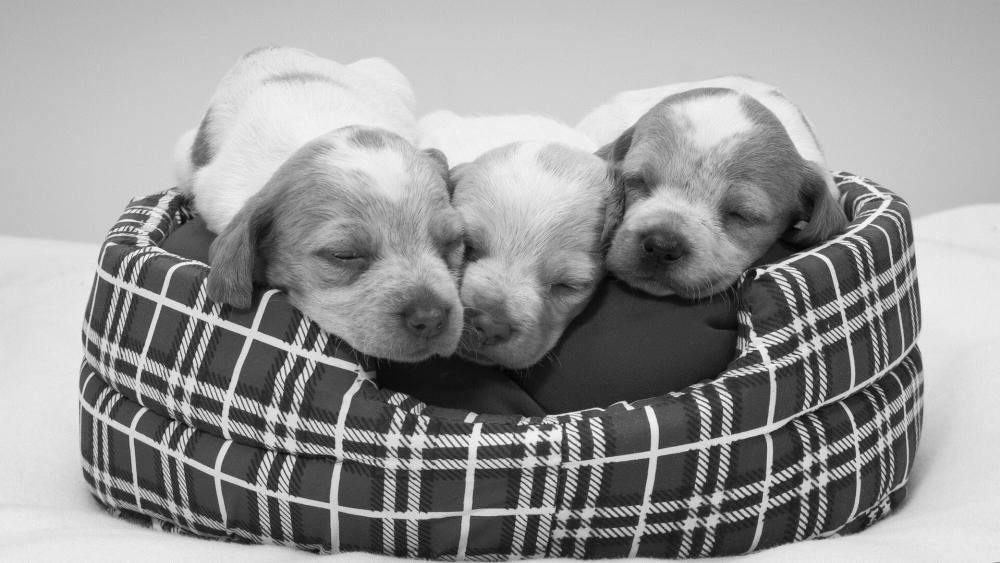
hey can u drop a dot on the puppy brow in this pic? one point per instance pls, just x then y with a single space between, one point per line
573 267
641 179
341 232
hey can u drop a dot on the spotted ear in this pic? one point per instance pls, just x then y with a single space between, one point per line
235 256
616 150
614 207
440 163
438 160
823 215
455 175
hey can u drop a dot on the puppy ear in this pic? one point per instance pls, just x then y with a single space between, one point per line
440 163
822 213
616 150
234 254
438 158
614 207
454 175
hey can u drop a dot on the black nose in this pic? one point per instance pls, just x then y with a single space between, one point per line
425 319
663 247
489 329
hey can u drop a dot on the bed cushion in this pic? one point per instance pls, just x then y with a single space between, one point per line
256 426
624 346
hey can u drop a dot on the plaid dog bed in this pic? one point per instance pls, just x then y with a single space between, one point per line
257 426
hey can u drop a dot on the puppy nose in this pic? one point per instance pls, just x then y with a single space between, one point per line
425 320
663 247
489 329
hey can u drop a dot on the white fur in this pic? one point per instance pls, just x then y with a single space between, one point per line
718 118
256 125
463 139
604 123
182 158
387 168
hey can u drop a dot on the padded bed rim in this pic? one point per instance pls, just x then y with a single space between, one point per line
826 351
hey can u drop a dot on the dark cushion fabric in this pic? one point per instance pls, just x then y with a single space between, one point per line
625 346
190 240
628 346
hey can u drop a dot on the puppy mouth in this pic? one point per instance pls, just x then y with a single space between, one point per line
475 356
414 356
664 287
473 349
400 346
411 352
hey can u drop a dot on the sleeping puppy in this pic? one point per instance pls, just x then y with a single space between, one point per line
535 217
305 169
713 173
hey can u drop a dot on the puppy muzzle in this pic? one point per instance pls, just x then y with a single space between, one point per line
660 248
486 329
426 317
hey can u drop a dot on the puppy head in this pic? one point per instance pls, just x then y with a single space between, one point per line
357 228
535 218
711 180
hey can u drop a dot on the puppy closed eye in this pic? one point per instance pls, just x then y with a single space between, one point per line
568 288
743 215
737 216
344 257
636 183
635 187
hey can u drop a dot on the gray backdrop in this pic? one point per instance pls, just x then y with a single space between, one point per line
95 93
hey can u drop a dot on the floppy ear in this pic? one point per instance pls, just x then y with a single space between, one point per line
440 163
822 213
616 150
234 254
454 175
614 207
438 159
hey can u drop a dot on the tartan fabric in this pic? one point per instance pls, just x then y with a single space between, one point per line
257 426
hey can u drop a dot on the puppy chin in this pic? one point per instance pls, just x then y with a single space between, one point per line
398 346
652 286
487 357
410 352
369 333
666 285
511 355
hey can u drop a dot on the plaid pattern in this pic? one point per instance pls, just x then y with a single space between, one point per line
257 426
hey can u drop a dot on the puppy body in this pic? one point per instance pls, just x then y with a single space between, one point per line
714 173
306 170
270 104
463 139
535 218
